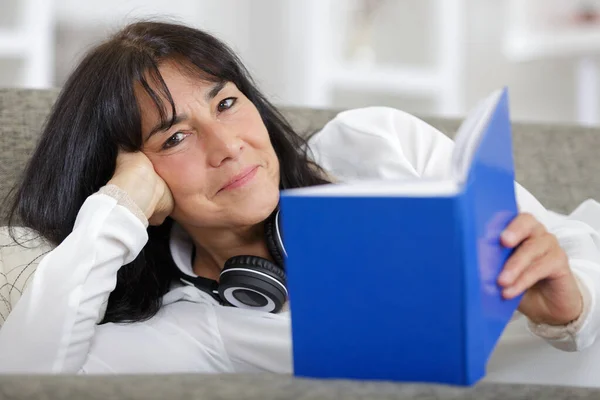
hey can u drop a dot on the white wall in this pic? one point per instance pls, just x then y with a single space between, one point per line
259 30
541 91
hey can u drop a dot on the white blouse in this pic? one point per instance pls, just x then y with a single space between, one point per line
53 327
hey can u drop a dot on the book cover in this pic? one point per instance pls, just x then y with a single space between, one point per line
395 280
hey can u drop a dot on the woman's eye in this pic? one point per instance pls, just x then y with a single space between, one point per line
174 140
226 104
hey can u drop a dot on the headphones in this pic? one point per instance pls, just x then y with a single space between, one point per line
251 282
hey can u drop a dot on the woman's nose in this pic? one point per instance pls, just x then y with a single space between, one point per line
222 145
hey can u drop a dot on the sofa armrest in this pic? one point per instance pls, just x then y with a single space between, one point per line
263 387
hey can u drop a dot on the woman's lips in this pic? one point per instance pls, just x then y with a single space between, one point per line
241 179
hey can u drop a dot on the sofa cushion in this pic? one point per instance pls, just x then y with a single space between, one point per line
22 114
18 262
554 162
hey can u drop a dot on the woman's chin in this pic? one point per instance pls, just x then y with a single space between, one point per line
258 208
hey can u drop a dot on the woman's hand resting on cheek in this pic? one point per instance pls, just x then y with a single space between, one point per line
540 268
135 174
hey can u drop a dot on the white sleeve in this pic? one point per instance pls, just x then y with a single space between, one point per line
381 142
51 327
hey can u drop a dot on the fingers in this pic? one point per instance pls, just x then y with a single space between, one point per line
164 207
522 227
548 266
529 251
137 159
161 212
156 220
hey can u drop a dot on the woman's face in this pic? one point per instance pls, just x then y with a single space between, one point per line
217 158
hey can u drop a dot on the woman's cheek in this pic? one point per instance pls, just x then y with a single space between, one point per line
175 172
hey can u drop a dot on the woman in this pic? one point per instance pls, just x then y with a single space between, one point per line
162 126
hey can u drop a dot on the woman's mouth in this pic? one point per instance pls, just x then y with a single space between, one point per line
241 179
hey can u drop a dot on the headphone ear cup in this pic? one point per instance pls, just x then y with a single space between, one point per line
253 282
274 238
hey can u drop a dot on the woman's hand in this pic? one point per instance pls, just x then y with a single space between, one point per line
135 174
540 268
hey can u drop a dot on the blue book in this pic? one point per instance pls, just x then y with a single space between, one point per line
396 280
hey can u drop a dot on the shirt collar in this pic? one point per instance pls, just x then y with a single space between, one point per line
181 246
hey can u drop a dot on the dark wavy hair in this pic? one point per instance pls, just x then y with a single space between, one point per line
97 113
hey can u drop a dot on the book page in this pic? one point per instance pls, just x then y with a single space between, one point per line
379 188
469 135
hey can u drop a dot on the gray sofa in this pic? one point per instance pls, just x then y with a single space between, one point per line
556 163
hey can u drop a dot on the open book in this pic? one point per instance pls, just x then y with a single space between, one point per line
396 280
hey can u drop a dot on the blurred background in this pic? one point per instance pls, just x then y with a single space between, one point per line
428 57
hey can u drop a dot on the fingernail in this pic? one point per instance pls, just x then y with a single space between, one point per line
508 236
506 277
510 292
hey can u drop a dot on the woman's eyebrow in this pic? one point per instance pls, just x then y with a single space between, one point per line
166 124
214 91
